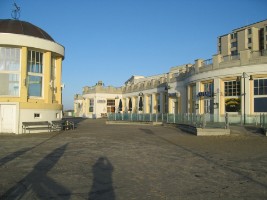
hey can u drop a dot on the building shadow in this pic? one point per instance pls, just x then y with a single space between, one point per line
37 184
102 187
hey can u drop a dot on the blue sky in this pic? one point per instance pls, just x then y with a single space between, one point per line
111 40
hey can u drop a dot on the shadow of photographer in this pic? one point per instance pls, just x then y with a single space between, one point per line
102 187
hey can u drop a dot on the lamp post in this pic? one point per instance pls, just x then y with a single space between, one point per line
244 76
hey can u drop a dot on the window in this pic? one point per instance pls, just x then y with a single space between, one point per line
233 35
232 105
158 103
35 73
260 95
91 105
110 105
249 40
208 87
166 107
232 88
150 103
249 31
260 104
260 87
234 44
37 115
9 71
234 53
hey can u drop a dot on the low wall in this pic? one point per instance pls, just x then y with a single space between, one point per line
204 132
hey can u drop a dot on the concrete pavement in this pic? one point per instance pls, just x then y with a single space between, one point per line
124 162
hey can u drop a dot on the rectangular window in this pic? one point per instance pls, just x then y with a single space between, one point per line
234 53
35 73
158 103
260 104
166 107
249 31
150 103
233 35
9 71
35 62
234 44
249 40
91 105
260 87
35 86
110 105
232 105
37 115
232 88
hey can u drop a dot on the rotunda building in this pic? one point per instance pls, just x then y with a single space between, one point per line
30 75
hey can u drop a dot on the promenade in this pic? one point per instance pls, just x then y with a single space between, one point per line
100 161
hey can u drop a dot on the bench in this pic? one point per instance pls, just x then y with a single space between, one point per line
59 125
31 126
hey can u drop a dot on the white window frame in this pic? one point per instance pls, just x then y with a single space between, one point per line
41 75
12 72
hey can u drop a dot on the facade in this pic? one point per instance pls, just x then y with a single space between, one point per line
30 75
233 83
251 37
97 101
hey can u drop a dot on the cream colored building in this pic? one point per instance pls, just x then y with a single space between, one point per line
251 37
236 85
97 101
30 75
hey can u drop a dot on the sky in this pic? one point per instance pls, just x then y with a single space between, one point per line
111 40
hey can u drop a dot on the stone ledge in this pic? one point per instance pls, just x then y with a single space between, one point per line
134 123
204 132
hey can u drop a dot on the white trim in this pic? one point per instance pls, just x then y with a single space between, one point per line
32 42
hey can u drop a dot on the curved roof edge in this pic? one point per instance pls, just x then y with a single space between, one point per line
23 28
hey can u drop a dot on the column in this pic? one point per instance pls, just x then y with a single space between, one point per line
58 80
154 103
198 99
217 103
23 82
47 78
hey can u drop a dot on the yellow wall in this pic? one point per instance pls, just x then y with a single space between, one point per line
44 102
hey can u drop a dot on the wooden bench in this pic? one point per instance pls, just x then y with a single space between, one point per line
31 126
59 125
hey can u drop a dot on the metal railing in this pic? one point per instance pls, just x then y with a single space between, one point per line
263 121
197 120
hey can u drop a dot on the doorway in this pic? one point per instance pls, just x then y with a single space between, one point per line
7 118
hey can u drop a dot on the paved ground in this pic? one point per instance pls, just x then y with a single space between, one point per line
125 162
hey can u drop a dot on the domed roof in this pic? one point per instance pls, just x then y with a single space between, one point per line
23 28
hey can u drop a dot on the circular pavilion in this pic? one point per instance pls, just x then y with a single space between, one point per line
30 74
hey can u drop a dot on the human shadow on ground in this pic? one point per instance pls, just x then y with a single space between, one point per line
102 187
22 151
37 184
14 155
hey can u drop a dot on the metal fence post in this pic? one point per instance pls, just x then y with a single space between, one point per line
226 121
204 121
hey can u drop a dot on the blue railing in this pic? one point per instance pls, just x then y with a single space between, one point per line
197 120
